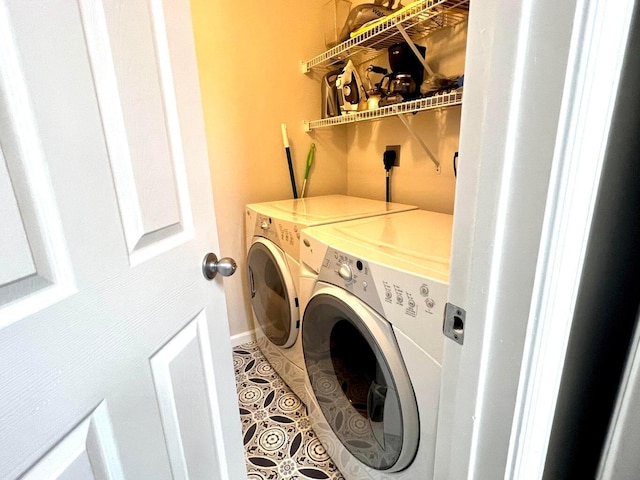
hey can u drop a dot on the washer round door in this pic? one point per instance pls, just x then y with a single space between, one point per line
272 293
359 379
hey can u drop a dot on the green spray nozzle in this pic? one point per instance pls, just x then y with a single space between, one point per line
312 151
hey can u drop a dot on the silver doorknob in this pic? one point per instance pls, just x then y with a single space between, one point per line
211 266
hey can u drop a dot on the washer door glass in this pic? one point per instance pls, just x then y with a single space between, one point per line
270 284
355 386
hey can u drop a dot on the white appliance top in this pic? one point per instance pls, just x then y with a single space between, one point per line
416 241
326 209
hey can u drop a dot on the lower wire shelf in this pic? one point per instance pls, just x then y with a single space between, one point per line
440 100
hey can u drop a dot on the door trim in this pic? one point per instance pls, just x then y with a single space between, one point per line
593 73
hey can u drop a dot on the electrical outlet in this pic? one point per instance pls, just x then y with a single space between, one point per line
395 148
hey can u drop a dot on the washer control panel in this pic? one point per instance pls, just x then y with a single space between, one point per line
412 303
345 271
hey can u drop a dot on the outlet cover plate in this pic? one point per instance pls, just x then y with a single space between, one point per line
394 148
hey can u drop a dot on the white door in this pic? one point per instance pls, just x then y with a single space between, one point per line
115 360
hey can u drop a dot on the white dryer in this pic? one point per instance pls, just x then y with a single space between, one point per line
373 343
273 251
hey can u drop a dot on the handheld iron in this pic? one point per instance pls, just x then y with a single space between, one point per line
351 92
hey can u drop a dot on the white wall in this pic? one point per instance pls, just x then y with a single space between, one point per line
250 80
415 181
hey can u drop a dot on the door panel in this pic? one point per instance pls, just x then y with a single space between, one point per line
183 385
92 343
13 239
87 452
139 110
138 64
34 266
25 266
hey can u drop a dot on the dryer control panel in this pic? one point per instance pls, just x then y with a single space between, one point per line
412 303
285 235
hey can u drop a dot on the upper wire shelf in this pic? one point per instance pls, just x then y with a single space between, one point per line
418 20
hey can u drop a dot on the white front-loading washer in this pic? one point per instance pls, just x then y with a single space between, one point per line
373 343
273 251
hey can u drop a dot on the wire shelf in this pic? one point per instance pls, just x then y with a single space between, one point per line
418 20
441 100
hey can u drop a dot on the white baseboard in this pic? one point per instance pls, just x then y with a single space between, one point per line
244 337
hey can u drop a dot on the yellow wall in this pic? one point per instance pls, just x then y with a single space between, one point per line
250 79
249 66
415 181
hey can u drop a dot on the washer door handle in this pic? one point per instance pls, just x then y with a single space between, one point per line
252 284
211 266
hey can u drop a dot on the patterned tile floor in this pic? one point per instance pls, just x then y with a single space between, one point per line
278 440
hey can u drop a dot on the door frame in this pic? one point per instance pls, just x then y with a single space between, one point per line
538 103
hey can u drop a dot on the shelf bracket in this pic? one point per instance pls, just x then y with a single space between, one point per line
420 141
404 120
416 52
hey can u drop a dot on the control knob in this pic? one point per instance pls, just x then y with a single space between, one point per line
345 272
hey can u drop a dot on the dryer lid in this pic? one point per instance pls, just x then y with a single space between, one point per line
418 241
326 209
